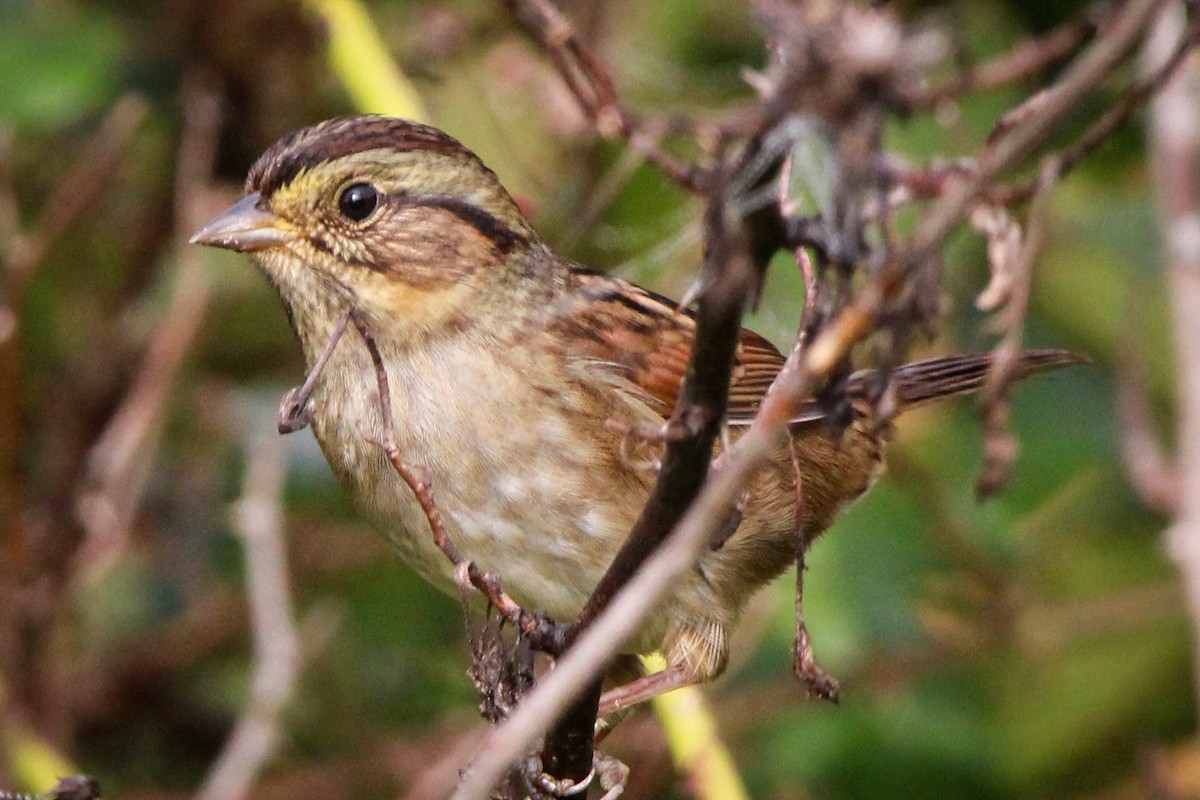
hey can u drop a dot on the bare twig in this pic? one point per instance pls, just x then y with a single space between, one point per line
259 521
935 180
1001 154
1151 471
1175 159
816 680
74 195
592 86
1112 119
119 461
1023 61
295 410
1000 446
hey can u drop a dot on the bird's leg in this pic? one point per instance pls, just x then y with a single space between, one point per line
646 688
296 408
608 771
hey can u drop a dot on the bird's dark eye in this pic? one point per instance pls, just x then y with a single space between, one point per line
358 201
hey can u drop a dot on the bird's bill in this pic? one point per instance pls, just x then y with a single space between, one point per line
245 227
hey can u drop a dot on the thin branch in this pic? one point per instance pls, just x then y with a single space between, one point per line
259 522
296 408
935 181
816 680
1175 160
119 462
86 183
593 89
1151 471
1111 120
1025 60
1005 151
1000 446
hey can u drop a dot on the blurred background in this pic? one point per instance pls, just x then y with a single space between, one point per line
1034 645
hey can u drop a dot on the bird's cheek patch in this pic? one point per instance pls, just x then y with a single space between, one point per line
422 306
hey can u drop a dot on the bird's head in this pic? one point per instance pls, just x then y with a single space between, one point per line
394 217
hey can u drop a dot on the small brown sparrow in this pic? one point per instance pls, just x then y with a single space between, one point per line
513 375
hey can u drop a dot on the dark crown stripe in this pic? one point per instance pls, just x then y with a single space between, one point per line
307 148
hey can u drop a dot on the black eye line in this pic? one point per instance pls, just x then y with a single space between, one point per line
502 237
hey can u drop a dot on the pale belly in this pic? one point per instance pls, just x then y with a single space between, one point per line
521 493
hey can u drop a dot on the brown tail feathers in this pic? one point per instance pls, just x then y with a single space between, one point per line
932 379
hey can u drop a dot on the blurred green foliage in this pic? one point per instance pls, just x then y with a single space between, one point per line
1029 646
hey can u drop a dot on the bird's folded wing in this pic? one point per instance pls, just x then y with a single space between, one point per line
650 340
